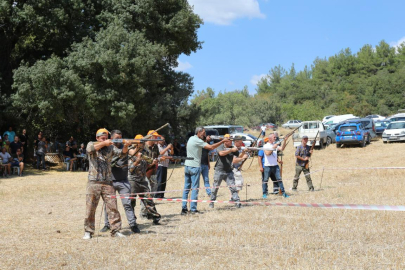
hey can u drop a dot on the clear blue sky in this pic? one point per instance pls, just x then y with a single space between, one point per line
244 39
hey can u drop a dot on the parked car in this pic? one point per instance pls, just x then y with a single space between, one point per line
327 117
375 117
338 119
331 135
249 139
397 117
395 132
367 123
380 126
292 124
311 129
271 126
226 129
352 133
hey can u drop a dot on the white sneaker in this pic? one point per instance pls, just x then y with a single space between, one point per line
118 234
87 236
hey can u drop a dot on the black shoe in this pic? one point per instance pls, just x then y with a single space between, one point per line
156 221
105 229
184 212
294 189
135 229
195 212
238 205
311 189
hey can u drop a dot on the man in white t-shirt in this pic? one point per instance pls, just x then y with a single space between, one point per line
271 168
6 160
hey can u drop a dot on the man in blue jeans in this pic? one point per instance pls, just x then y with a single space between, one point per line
271 168
192 168
205 166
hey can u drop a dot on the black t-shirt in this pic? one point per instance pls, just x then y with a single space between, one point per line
14 146
224 163
119 169
204 156
68 154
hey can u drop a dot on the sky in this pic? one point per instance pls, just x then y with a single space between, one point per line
244 39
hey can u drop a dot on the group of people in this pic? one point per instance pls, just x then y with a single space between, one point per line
13 148
138 168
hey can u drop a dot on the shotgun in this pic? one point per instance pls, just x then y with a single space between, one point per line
311 149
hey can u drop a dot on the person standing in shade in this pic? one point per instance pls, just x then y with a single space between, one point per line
205 166
119 176
302 154
192 167
41 151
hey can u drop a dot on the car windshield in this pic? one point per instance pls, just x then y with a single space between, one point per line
380 124
348 128
253 137
396 125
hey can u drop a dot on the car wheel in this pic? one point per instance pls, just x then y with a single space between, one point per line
328 140
338 145
384 142
368 139
363 143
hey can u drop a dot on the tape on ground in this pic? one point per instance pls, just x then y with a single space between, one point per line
306 205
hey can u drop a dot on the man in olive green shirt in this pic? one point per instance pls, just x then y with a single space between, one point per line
192 167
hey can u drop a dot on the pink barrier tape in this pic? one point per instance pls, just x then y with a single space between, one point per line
365 168
306 205
202 188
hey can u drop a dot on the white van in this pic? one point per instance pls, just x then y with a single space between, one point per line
338 118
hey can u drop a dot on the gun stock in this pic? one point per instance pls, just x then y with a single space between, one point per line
311 149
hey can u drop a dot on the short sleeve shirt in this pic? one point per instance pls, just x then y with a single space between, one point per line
194 150
224 163
261 154
270 160
100 161
303 152
6 156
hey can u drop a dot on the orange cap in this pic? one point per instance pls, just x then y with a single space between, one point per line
227 136
266 139
101 132
138 137
154 133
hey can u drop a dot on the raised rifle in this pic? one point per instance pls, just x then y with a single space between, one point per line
311 149
175 157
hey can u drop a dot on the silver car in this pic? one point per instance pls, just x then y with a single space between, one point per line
292 124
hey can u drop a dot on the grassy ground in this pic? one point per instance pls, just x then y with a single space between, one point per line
42 222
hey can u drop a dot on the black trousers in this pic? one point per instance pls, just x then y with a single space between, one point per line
161 177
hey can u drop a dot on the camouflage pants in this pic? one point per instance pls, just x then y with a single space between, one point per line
142 185
94 191
229 177
298 170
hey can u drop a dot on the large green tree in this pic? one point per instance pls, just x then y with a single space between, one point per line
113 68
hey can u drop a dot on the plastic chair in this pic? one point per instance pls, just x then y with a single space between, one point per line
16 169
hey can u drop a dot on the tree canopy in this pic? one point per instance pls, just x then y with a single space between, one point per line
73 66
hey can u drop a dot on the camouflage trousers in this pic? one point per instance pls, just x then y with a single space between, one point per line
143 185
298 170
95 190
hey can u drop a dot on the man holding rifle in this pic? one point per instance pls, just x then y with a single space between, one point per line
302 154
193 167
161 175
271 168
100 155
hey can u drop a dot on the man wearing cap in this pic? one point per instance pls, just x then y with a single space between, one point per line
302 155
192 167
260 158
271 168
138 164
100 154
227 157
121 184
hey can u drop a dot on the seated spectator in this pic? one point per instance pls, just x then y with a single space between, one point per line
7 146
18 158
71 143
6 160
5 139
69 156
16 144
82 149
41 151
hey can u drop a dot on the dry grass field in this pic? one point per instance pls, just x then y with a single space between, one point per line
42 222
